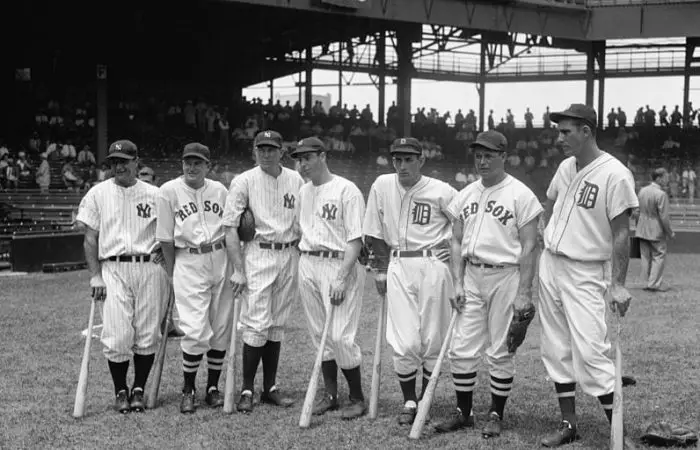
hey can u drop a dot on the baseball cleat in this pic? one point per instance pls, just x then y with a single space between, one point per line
457 422
327 403
187 403
275 398
493 426
121 403
407 415
136 402
356 408
214 399
245 402
564 435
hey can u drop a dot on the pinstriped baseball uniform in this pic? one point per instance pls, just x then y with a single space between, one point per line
271 273
418 288
491 218
330 217
125 219
193 220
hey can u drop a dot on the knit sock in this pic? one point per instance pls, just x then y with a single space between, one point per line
190 365
215 360
118 372
566 394
354 377
607 402
330 377
142 367
408 386
251 359
270 359
500 389
464 388
426 380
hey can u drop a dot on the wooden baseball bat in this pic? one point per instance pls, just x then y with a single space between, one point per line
379 345
424 404
81 391
231 363
152 397
305 419
616 427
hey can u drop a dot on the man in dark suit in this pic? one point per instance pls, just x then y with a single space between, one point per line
653 229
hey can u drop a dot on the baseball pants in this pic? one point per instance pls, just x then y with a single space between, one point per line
137 293
572 314
653 262
418 311
204 300
315 277
271 291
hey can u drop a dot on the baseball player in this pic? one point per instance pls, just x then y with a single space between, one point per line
119 219
265 269
191 234
409 230
494 235
331 211
589 201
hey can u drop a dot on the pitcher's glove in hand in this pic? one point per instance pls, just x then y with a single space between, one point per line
665 434
518 327
246 228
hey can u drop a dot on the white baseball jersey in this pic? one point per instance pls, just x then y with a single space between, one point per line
273 201
330 215
492 217
413 219
191 217
125 218
585 202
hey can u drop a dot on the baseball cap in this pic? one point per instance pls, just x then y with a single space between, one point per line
196 150
308 145
124 149
269 138
406 145
577 111
492 140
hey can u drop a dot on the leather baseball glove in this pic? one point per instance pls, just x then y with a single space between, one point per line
665 434
518 327
246 229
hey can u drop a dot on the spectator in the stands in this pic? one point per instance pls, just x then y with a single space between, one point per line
621 118
612 118
461 178
103 172
11 174
639 117
528 119
663 117
510 120
676 117
190 114
224 134
89 176
86 157
227 175
689 179
650 117
3 149
546 120
43 174
674 182
24 169
491 122
70 178
34 143
68 150
3 170
147 175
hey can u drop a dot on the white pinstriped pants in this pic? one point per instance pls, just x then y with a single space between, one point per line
315 277
137 295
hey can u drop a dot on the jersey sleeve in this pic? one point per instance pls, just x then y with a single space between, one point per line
528 207
236 201
621 195
454 208
165 225
89 210
372 225
448 197
553 189
353 211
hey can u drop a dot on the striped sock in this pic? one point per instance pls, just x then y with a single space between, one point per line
607 402
464 388
500 390
190 364
408 386
215 361
566 394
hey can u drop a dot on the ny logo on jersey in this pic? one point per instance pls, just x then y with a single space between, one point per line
329 211
144 210
420 214
588 195
289 201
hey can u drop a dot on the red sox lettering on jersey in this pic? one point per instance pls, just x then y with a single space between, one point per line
190 208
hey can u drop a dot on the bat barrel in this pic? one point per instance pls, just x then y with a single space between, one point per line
380 343
81 391
305 418
231 363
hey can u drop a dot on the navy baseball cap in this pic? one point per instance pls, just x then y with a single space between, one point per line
196 150
308 145
406 145
123 149
491 140
577 111
268 138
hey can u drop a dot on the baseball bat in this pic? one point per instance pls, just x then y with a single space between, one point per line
377 364
616 427
231 363
152 397
305 419
424 404
81 392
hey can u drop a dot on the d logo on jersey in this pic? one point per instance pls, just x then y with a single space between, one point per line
329 211
420 214
143 210
289 201
587 196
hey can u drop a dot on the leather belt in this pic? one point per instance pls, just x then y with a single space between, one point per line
324 254
277 245
207 248
484 265
130 258
411 253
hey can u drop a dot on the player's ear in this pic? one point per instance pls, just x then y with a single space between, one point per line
421 160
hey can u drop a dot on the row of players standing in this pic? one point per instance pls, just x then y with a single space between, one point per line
433 247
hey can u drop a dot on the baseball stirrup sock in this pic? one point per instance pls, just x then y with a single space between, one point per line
270 359
251 359
566 394
118 372
354 377
464 389
408 386
426 379
500 390
142 367
190 365
607 402
215 360
330 377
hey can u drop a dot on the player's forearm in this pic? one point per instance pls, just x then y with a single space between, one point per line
528 259
352 252
168 257
457 262
667 226
620 257
233 248
90 246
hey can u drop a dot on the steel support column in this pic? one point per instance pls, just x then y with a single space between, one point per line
690 44
482 86
272 90
102 114
590 74
599 48
381 58
404 52
308 82
340 74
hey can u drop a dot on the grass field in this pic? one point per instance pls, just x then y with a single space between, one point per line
43 315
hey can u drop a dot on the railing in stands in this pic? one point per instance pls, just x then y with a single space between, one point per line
603 3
